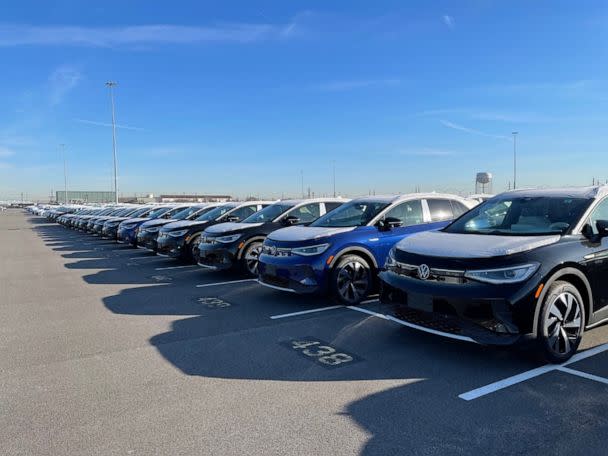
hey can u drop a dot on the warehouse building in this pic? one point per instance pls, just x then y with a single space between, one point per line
84 197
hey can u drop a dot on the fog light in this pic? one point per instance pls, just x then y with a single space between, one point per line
308 281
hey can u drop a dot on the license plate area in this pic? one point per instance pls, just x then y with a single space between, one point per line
420 302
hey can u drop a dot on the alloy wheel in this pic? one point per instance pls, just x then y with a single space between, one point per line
352 281
252 258
563 323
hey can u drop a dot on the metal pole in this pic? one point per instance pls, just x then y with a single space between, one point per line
514 160
334 171
111 85
302 176
65 174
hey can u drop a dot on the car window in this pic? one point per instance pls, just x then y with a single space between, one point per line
410 213
307 213
243 212
331 206
599 213
458 208
441 209
269 213
215 213
355 213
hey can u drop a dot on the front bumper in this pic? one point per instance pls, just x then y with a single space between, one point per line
109 232
170 246
127 235
147 240
482 313
298 278
217 256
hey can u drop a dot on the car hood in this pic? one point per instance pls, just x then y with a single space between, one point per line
182 224
453 245
157 222
134 220
230 226
305 233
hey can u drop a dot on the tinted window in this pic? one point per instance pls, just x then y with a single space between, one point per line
215 213
441 209
331 206
243 212
599 213
458 208
355 213
410 213
269 213
521 216
307 213
185 213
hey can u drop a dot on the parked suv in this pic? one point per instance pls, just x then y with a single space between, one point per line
342 251
127 229
180 239
148 231
527 262
239 244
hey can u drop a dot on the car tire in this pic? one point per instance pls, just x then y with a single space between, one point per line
191 252
351 279
250 258
561 322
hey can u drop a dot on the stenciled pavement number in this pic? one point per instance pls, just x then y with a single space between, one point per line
321 352
214 303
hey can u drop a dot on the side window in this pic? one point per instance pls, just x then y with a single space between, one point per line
458 208
331 206
243 212
599 213
410 213
441 209
307 213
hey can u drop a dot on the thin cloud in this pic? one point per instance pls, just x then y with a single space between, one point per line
6 152
104 124
61 81
340 86
448 21
427 152
472 131
24 35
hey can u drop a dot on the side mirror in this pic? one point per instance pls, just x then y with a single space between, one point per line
602 228
291 220
389 223
233 218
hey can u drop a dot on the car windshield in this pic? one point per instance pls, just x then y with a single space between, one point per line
139 212
522 216
269 213
215 213
355 213
158 212
186 212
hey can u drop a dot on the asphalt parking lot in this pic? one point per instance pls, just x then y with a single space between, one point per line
106 349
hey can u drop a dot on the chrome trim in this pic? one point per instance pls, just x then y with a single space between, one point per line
289 290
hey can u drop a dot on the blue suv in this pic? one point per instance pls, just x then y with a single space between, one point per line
342 251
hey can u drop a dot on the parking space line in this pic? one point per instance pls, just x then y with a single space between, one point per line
510 381
304 312
175 267
583 374
145 258
369 301
224 283
374 314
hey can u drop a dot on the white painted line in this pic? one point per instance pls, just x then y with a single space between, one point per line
175 267
304 312
501 384
583 374
224 283
274 287
369 301
375 314
144 258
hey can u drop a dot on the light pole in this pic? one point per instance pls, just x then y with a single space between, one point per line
111 85
302 176
334 172
514 159
65 175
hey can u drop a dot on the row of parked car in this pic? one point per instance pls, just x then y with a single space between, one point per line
523 264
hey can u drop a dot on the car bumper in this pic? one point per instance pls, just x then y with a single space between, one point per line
109 233
482 313
147 240
170 246
126 236
220 257
298 278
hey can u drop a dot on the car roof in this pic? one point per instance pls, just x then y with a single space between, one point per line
297 201
408 196
590 192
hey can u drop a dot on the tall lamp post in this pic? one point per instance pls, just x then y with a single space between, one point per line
514 159
65 175
111 85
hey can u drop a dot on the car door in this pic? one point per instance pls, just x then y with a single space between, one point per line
243 212
597 260
306 213
411 215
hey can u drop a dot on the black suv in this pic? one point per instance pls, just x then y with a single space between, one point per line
239 244
524 263
180 239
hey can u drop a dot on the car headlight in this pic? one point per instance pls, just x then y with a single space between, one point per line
310 250
511 274
227 239
153 229
128 226
178 233
390 259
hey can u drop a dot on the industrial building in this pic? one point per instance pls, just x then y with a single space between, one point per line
84 197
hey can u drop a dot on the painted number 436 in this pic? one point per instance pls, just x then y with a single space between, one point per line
324 354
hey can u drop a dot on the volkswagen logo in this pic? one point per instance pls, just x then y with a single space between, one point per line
424 271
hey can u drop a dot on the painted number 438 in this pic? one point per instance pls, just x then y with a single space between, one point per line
324 354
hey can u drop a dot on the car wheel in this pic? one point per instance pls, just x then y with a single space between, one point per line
351 279
251 257
562 322
191 251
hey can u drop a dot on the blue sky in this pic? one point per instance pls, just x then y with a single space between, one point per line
239 96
